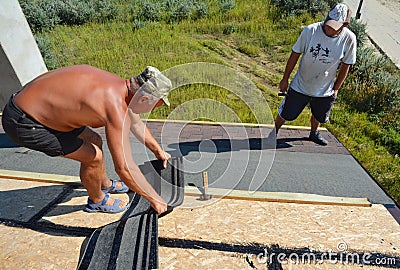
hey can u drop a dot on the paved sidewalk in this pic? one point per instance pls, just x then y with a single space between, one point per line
383 24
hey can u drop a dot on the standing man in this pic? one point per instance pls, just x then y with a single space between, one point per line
324 46
53 113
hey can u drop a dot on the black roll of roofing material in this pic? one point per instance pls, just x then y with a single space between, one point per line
132 242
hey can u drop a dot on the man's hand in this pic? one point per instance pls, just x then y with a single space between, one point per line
335 93
283 85
159 207
164 156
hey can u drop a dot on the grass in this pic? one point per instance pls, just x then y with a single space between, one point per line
252 38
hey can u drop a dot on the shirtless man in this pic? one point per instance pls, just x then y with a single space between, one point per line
53 113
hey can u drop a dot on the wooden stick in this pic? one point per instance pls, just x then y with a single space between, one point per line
205 182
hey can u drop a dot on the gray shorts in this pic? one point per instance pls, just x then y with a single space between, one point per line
295 102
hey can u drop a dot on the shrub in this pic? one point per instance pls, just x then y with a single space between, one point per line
150 11
360 30
105 11
182 11
201 10
170 4
43 15
171 11
296 7
72 12
48 55
373 87
226 5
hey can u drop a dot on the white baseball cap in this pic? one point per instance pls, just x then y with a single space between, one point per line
152 81
338 16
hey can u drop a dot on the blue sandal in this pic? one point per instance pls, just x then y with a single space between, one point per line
92 207
113 188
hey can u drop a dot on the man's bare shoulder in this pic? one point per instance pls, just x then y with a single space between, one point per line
84 95
84 70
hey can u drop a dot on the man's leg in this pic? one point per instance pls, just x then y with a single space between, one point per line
279 121
290 108
314 123
94 138
315 136
92 171
320 109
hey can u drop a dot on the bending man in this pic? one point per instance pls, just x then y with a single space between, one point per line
52 114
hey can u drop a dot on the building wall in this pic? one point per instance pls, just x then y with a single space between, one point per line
20 58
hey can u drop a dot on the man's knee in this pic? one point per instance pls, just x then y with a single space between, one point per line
289 117
98 157
88 154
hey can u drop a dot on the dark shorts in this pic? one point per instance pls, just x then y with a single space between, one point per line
295 102
27 132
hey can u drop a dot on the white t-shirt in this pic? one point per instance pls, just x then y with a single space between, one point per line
321 57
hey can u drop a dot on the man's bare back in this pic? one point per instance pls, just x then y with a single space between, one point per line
71 97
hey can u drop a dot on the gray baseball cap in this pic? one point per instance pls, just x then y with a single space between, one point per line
152 81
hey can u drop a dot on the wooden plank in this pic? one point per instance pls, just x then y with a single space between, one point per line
40 177
285 197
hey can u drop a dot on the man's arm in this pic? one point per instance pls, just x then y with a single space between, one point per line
291 63
341 76
139 129
117 132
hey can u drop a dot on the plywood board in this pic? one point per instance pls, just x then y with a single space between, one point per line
287 197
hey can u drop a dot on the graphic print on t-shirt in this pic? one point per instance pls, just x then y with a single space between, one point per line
319 50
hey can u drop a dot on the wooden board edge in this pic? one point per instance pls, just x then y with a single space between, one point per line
284 197
40 177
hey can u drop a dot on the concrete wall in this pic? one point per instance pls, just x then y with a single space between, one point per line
20 58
